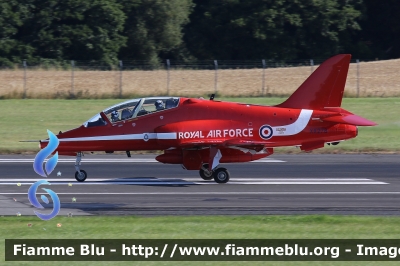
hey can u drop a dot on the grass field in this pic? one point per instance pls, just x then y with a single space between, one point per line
199 227
29 119
376 79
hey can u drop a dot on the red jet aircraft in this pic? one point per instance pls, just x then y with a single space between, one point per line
200 134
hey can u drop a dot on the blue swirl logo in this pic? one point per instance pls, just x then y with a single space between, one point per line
32 198
42 155
49 167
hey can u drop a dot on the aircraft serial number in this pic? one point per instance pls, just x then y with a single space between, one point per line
318 130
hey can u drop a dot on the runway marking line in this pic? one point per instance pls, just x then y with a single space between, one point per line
186 179
135 160
221 193
190 179
195 181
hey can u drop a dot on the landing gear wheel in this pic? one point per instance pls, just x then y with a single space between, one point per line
221 175
80 176
206 175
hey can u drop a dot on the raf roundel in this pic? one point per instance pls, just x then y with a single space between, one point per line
266 132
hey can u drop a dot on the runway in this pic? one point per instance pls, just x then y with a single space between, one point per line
281 184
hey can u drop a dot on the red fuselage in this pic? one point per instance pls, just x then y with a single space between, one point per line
200 134
197 122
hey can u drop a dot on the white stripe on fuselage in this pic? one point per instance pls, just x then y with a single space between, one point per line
142 136
296 127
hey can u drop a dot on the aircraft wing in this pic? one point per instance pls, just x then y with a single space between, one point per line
223 142
241 144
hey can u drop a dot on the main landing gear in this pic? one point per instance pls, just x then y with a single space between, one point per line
80 175
220 175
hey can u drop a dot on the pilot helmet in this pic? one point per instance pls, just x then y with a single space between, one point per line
114 115
159 105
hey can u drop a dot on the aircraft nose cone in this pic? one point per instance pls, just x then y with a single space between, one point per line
42 144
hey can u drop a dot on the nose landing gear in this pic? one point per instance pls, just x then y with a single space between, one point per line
80 175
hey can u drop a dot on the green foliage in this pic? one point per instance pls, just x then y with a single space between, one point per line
233 29
380 35
154 28
12 16
70 29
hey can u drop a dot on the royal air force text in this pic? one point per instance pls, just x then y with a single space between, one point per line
223 133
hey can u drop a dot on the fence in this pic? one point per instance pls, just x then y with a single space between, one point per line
228 78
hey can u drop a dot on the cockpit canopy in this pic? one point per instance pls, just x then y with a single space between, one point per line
133 108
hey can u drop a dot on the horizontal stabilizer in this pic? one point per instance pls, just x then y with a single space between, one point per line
350 120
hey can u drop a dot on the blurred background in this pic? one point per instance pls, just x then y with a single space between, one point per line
125 48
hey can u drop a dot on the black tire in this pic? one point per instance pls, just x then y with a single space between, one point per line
221 175
80 177
203 173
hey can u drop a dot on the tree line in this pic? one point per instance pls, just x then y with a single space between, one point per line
154 30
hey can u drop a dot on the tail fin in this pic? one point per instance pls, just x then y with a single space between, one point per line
324 87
